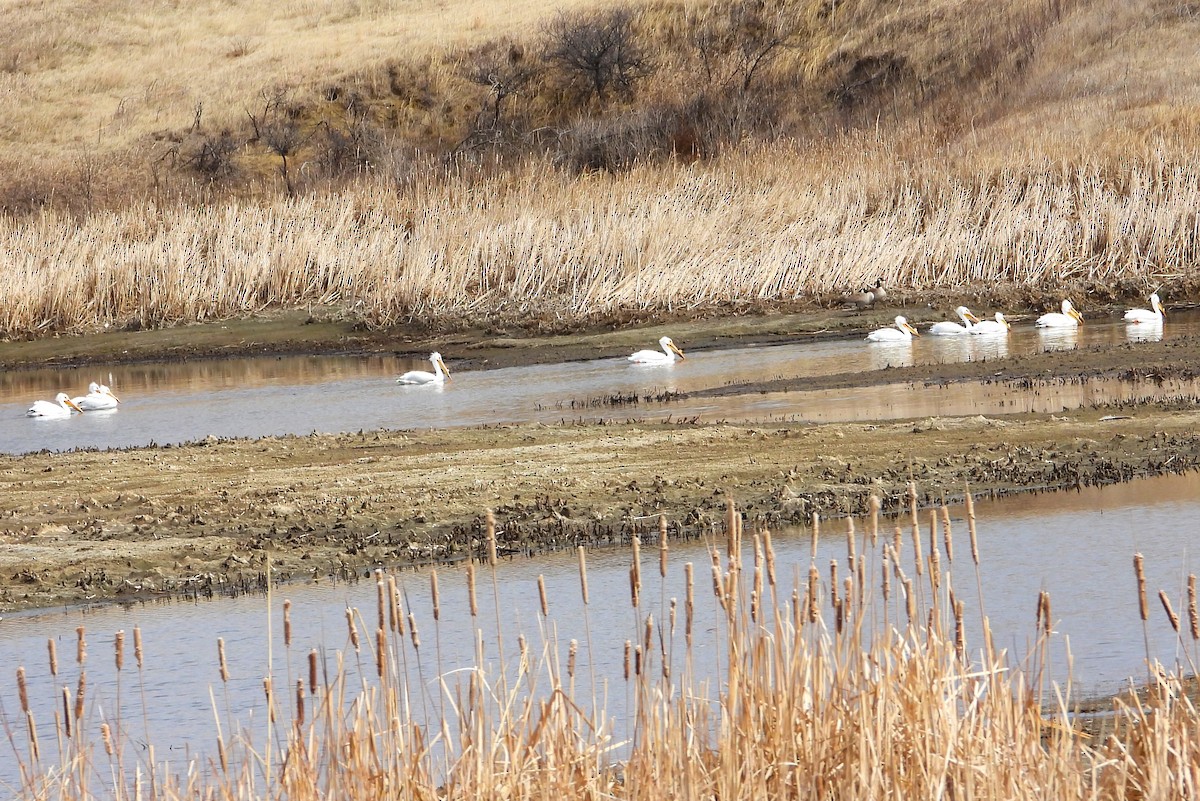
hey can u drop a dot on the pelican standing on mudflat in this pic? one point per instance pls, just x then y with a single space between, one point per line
997 326
440 374
62 406
903 332
1069 318
665 356
99 397
1153 315
950 329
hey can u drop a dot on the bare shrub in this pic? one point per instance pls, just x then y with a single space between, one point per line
597 53
736 40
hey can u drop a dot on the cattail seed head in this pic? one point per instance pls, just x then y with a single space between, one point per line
814 588
474 603
635 572
770 549
1193 617
1140 573
1171 616
312 671
394 602
572 651
106 736
491 538
380 651
80 646
583 583
628 656
433 590
971 528
851 543
287 623
221 659
119 650
22 691
53 651
351 628
66 702
816 532
299 703
412 628
947 534
874 505
542 595
137 646
689 600
80 689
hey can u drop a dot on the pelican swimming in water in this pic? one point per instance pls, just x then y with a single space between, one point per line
1069 318
62 406
950 329
665 356
440 374
1152 316
903 332
99 397
997 326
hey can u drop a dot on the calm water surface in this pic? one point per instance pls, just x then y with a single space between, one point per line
164 403
1077 546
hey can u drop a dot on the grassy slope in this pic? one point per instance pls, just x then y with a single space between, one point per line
1005 143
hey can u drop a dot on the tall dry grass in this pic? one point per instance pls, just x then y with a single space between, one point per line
767 224
859 685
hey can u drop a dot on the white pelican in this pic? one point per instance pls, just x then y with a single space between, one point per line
949 329
61 407
99 397
997 326
440 374
665 356
903 332
1069 318
1152 316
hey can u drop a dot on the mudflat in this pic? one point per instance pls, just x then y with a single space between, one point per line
209 517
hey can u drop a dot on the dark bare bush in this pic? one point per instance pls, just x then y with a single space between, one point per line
597 54
504 69
354 150
735 41
212 155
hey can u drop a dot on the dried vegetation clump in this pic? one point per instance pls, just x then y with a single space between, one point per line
852 680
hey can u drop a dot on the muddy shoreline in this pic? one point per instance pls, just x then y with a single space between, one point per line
96 526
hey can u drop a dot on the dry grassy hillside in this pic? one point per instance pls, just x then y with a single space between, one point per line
403 163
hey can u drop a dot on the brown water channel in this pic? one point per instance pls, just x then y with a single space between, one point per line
1076 545
254 397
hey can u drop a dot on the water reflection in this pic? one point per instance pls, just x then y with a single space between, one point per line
257 397
1065 338
890 354
1144 332
1076 546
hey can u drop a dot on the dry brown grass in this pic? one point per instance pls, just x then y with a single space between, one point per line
770 224
862 685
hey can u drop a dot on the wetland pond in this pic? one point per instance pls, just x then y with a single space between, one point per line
255 397
1077 546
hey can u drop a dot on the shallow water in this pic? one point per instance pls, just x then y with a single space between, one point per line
171 403
1077 546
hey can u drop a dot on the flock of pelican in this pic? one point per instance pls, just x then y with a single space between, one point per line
100 397
1069 317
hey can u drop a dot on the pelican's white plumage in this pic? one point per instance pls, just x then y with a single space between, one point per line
902 332
997 326
1153 315
99 397
665 356
61 406
1069 318
440 374
951 329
